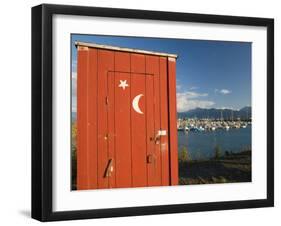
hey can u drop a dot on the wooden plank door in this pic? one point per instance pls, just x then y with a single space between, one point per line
134 123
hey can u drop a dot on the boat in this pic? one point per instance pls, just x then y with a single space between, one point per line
201 129
194 129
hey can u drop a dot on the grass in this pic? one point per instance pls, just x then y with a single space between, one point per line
227 168
73 157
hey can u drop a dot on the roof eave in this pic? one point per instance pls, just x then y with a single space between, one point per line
115 48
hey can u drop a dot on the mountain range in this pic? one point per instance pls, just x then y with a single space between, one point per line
214 113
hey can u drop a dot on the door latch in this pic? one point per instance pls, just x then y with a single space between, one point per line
160 133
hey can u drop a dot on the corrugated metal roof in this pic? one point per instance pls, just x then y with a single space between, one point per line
116 48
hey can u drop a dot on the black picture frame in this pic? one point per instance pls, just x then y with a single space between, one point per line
42 111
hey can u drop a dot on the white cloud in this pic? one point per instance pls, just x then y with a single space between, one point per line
178 87
74 83
74 103
189 100
74 65
223 91
193 88
74 75
191 95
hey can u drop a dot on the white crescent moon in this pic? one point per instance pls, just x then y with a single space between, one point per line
135 103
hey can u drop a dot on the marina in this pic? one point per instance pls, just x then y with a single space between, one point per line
199 125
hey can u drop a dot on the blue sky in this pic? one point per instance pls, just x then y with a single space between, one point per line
210 74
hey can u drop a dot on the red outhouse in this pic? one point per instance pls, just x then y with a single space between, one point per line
126 117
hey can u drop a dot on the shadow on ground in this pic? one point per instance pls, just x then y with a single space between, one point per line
228 169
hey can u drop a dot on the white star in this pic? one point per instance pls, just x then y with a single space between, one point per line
123 84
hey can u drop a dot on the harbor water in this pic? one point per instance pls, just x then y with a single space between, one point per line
201 144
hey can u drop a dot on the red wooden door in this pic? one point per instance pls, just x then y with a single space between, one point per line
123 120
132 132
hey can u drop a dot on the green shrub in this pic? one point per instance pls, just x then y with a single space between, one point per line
218 152
183 157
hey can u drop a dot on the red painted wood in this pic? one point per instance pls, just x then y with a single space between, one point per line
152 67
164 146
122 62
109 129
137 63
150 132
139 173
105 63
92 91
82 151
173 121
123 132
138 125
